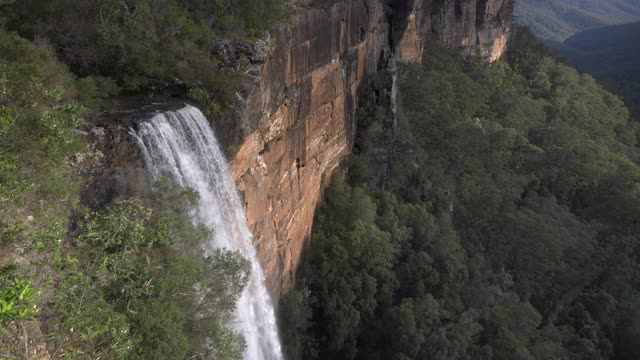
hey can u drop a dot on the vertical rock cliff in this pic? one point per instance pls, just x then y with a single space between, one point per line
300 111
480 27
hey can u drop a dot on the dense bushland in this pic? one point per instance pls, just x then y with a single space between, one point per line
497 220
612 55
139 45
137 284
129 281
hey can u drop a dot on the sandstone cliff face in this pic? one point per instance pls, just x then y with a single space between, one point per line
301 108
304 104
480 27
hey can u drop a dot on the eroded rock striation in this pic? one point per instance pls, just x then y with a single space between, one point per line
299 113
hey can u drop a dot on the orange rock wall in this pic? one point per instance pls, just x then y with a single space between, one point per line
302 107
480 27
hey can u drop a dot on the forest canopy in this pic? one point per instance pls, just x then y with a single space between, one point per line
124 47
139 42
497 220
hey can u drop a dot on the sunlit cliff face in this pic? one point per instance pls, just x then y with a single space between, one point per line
304 103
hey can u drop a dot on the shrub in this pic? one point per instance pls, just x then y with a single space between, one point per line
17 300
138 284
37 115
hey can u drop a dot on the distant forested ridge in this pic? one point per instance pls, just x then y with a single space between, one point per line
612 54
497 219
558 20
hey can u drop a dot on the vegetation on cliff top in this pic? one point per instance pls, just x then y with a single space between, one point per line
137 285
134 46
611 54
501 222
130 280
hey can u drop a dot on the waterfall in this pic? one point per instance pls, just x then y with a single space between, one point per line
181 146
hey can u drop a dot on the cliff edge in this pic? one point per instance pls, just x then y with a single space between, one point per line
301 107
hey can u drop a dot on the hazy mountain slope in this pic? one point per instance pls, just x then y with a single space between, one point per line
611 54
560 19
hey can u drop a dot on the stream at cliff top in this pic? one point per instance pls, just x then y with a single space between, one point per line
181 146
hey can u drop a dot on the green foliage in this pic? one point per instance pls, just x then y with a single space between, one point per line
11 232
354 261
139 45
95 91
154 47
295 323
238 17
216 101
138 285
131 280
123 226
502 224
611 54
17 300
37 115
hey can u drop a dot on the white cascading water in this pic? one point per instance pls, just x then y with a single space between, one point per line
181 146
